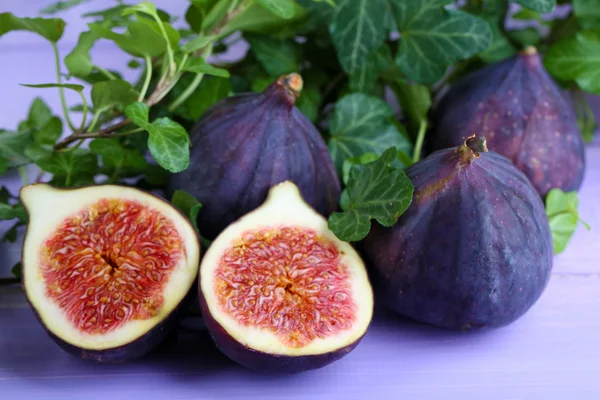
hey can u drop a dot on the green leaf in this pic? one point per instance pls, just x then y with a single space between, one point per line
142 37
72 86
527 14
199 42
577 59
144 7
561 209
188 205
375 190
199 66
525 37
357 28
277 56
363 78
587 13
49 133
16 270
11 235
538 5
37 151
38 117
432 38
112 16
120 160
78 61
282 8
585 115
320 11
360 160
72 165
8 212
209 92
310 101
168 141
258 19
49 28
113 93
61 6
414 99
3 165
13 145
362 124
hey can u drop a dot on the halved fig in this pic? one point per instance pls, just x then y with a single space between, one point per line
281 293
106 267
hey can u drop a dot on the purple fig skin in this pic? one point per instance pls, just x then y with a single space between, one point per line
265 362
474 248
524 116
246 144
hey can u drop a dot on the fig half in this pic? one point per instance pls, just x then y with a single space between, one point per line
280 292
106 267
249 142
524 116
474 248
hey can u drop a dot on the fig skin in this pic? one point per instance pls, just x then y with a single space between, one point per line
524 116
473 250
140 346
247 143
265 362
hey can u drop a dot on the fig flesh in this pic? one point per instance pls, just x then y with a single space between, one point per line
474 248
106 267
247 143
280 292
524 116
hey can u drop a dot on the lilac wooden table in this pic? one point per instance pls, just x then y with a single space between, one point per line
551 353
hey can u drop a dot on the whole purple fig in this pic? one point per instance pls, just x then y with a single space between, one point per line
247 143
474 248
524 116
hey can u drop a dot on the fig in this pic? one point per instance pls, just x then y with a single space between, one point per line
280 292
524 116
249 142
474 248
106 267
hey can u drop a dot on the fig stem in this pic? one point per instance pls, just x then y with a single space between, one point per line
420 139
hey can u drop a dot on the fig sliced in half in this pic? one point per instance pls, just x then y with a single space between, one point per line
106 267
280 292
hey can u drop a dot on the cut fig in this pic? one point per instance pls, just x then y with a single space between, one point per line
106 267
280 292
524 116
474 248
247 143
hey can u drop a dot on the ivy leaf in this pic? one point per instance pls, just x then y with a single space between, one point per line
142 37
199 66
432 38
577 59
49 28
309 101
73 165
362 124
78 61
3 165
525 37
500 47
188 205
61 6
538 5
8 212
587 13
320 11
72 86
112 16
357 28
363 78
585 115
277 56
282 8
376 190
49 133
13 145
561 209
209 92
199 42
113 93
38 116
120 160
168 141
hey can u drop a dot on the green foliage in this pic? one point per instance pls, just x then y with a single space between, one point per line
376 190
561 209
538 5
50 29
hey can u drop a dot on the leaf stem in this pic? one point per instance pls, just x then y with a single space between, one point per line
60 89
147 78
85 112
192 86
94 121
23 174
106 72
420 139
169 48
